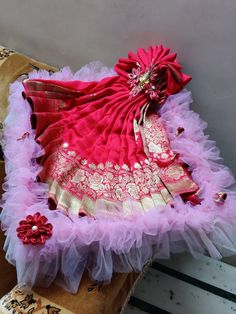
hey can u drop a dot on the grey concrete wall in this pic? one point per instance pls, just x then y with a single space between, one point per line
74 32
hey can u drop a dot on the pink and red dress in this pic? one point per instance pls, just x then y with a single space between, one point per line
108 169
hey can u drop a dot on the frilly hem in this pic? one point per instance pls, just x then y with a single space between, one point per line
105 245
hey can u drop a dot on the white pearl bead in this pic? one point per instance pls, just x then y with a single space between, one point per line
65 145
34 228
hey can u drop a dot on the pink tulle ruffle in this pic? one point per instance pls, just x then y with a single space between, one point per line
105 245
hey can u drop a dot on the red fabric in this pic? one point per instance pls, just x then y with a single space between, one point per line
96 118
167 71
101 126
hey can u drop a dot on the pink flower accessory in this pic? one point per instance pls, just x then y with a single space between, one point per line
220 197
154 72
34 229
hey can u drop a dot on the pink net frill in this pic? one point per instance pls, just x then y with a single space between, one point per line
105 245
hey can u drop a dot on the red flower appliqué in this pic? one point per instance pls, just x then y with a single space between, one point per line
154 72
34 229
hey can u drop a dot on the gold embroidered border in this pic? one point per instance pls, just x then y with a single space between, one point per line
71 204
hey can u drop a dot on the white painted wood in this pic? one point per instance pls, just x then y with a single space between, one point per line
179 297
206 269
133 310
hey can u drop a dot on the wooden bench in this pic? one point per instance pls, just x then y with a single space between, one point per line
184 285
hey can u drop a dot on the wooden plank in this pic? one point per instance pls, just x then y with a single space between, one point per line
7 271
206 269
178 297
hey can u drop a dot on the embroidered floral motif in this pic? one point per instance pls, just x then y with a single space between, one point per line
28 300
120 182
19 302
157 141
151 177
12 305
34 229
5 53
112 182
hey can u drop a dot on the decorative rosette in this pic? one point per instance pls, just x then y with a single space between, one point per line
154 72
34 229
